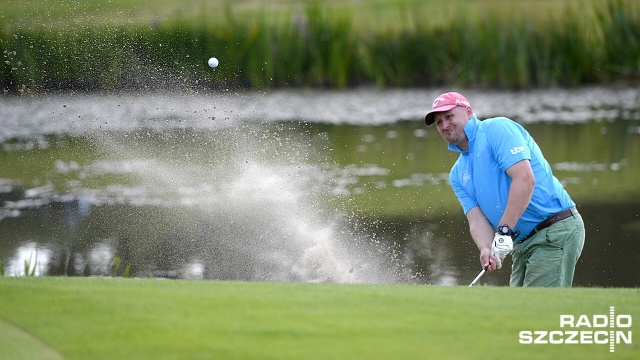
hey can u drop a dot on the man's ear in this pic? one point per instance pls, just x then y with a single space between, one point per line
469 112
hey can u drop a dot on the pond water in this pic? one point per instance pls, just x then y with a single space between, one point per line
307 185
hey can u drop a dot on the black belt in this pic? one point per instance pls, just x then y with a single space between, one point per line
552 220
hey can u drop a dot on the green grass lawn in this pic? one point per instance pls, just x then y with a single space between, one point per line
110 318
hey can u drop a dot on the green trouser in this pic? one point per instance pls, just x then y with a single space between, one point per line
549 257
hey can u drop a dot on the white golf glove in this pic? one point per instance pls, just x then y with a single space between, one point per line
501 247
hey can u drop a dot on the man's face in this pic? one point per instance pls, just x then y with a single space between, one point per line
450 125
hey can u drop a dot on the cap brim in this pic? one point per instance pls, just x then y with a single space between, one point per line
428 119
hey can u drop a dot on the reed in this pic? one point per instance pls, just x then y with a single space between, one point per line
116 263
28 269
586 43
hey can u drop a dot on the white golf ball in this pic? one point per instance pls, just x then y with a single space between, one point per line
213 62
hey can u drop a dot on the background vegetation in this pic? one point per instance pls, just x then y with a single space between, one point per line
126 44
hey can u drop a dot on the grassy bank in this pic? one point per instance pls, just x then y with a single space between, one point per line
118 45
82 318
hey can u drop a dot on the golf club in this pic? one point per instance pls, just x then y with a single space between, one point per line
478 277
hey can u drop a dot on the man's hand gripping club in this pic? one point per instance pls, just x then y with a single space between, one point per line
501 247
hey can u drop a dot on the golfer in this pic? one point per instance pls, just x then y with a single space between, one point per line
506 187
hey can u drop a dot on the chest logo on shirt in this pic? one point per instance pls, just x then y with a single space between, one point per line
517 149
465 177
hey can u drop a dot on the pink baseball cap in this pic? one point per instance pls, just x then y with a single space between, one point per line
445 102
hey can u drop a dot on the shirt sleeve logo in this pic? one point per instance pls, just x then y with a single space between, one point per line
517 149
465 177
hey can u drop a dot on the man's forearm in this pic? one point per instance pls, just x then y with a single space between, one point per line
480 228
482 233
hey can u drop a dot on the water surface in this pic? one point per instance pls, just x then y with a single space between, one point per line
344 186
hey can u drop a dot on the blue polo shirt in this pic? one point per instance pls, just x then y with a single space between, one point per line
479 175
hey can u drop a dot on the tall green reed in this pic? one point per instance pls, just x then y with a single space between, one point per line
620 36
29 270
116 268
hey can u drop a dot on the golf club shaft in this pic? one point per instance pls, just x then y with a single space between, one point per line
478 277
